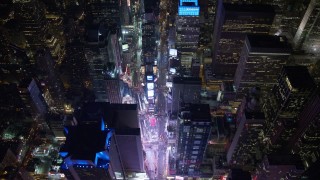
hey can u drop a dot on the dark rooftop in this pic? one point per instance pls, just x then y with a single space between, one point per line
200 112
5 145
84 141
256 8
268 44
255 115
114 115
299 77
239 174
187 80
278 160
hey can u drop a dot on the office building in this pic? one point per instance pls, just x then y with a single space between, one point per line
104 12
31 16
282 107
305 140
75 71
52 85
31 94
126 155
232 23
280 166
114 52
261 60
149 36
114 85
194 124
15 64
85 152
96 53
244 150
184 90
307 35
187 31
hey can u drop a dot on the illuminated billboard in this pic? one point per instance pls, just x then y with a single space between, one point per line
125 47
150 93
149 78
173 52
150 86
189 10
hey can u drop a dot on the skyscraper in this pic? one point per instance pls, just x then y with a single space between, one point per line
261 61
31 16
307 35
244 150
97 56
126 155
194 127
188 30
106 12
184 90
47 73
282 107
86 151
305 140
280 166
232 23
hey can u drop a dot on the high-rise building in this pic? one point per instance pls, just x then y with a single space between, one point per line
232 23
307 35
96 53
184 90
85 152
194 122
149 44
113 48
280 166
52 84
15 64
244 149
75 70
114 85
187 31
106 12
305 140
31 94
261 61
31 16
282 107
125 154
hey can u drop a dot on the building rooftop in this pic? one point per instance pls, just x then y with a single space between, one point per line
114 115
299 77
255 8
187 80
278 160
200 112
255 115
5 145
85 141
239 174
268 44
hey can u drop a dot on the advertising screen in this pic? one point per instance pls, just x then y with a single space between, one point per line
150 78
150 93
150 86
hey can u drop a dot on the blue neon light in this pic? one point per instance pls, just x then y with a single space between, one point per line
81 162
102 159
189 11
66 130
194 1
102 125
108 139
63 154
